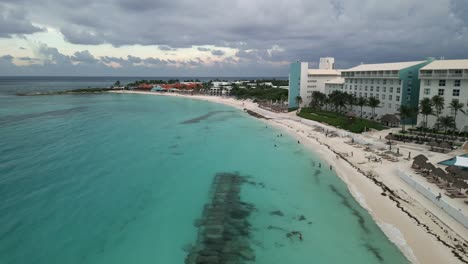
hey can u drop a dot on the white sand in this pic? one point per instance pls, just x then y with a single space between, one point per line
418 242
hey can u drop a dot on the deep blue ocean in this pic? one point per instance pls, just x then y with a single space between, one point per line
122 178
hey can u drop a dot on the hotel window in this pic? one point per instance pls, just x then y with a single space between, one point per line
398 90
427 82
408 98
365 95
383 96
391 82
456 92
377 89
391 89
441 82
361 81
427 91
441 92
378 81
399 82
397 98
355 87
365 88
390 97
384 89
372 88
457 83
384 81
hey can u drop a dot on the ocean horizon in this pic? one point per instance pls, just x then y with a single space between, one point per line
24 84
116 178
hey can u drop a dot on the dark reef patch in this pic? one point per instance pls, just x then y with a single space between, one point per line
16 118
203 117
224 229
354 211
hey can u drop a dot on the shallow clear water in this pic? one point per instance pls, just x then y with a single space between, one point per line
121 179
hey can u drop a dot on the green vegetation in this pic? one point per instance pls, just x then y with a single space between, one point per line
136 83
261 94
352 124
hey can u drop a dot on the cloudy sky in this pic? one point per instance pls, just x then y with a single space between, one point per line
220 37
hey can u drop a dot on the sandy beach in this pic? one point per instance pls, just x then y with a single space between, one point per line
420 228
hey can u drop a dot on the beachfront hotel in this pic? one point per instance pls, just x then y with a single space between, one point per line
304 81
449 79
394 84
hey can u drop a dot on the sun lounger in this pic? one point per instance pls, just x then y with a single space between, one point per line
455 195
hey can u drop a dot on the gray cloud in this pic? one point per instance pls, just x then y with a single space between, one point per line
217 52
84 57
13 22
165 48
352 31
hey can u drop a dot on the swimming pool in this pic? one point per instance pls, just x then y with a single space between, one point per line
451 161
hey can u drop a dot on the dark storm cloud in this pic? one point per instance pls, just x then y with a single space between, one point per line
352 31
13 22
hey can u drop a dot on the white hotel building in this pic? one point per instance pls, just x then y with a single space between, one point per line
304 81
449 79
394 84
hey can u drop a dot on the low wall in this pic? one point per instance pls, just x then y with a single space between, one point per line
429 194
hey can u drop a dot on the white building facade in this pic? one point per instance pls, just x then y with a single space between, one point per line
336 84
394 84
304 81
449 79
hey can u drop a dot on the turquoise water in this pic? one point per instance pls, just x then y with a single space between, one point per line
451 161
122 178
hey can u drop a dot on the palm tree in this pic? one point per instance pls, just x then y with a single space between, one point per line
456 106
318 99
404 112
338 99
447 122
298 100
438 102
351 99
425 109
373 103
361 101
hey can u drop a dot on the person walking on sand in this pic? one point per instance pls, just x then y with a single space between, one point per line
438 197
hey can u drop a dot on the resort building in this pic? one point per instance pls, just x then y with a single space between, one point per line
394 84
449 79
304 81
336 84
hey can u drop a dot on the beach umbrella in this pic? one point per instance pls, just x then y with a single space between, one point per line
390 136
421 157
445 145
439 173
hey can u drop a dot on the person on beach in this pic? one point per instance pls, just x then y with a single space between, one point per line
331 167
320 165
298 142
300 236
438 197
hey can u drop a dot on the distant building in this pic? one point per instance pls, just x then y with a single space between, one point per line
304 81
394 84
449 79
